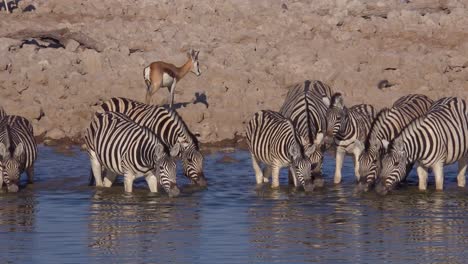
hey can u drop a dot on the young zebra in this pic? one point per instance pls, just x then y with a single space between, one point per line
272 140
170 128
122 147
18 151
388 123
439 138
346 127
306 106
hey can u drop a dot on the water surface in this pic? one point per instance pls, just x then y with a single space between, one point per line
60 219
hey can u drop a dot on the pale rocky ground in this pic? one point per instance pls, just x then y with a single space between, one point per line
251 51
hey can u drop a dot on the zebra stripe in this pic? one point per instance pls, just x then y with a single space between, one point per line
345 128
171 129
2 114
306 105
123 147
388 123
436 139
18 150
273 141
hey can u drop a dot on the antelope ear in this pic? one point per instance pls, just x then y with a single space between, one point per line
295 152
3 151
359 145
175 150
385 144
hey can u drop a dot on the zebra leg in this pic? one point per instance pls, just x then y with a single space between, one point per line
96 169
292 177
128 182
258 170
462 164
266 174
275 177
422 175
109 179
439 175
30 174
356 153
339 164
152 182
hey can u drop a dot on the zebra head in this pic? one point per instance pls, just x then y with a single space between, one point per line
193 55
301 167
335 114
192 161
11 168
393 168
368 166
166 169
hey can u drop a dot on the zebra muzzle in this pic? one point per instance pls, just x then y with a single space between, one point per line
173 190
13 188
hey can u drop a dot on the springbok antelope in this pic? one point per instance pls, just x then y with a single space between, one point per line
162 74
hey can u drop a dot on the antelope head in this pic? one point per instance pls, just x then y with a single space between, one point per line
193 55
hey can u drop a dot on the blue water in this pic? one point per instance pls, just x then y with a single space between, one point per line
60 219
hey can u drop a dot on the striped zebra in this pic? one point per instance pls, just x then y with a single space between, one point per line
345 127
121 147
388 124
2 114
170 128
18 151
436 139
306 106
273 141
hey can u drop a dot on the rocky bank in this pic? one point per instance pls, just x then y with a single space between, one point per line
60 58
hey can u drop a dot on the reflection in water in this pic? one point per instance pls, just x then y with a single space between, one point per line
141 225
60 219
17 217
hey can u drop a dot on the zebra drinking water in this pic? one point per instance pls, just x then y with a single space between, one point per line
345 127
436 139
388 123
273 141
170 128
18 151
122 147
306 106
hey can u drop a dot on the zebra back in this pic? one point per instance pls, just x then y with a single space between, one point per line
164 122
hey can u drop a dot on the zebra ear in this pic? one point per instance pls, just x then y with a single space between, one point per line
385 144
319 139
3 151
159 151
310 150
175 150
359 145
295 151
326 101
19 150
184 143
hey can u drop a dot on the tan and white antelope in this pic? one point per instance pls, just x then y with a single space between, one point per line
162 74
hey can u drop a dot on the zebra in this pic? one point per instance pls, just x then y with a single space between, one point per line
2 114
273 141
122 147
18 151
306 106
388 123
431 141
345 127
170 128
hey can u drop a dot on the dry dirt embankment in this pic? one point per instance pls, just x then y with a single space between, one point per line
60 58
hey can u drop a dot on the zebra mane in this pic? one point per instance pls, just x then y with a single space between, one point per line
176 116
375 126
309 119
411 125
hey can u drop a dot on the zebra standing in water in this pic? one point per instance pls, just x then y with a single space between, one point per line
388 124
122 147
346 127
306 106
439 138
18 151
170 128
272 140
